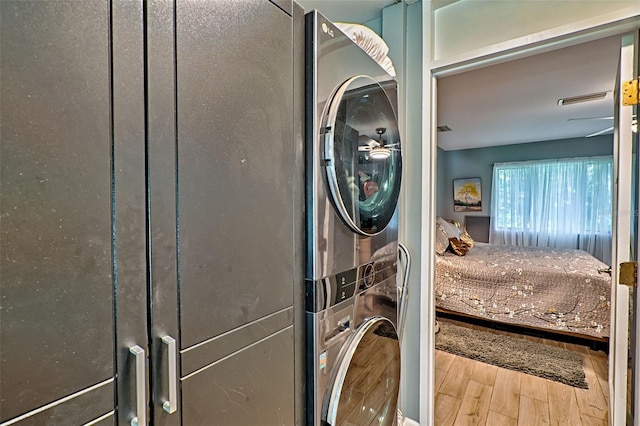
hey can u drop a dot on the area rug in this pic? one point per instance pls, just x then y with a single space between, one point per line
549 362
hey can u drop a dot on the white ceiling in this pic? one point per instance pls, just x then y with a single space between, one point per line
517 101
512 102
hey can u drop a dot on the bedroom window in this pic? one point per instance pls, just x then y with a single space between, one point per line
564 203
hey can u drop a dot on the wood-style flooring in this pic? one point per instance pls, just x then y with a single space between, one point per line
470 392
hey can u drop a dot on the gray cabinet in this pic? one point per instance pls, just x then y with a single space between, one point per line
57 333
151 187
235 172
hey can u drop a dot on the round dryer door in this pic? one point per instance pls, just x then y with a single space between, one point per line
366 383
363 160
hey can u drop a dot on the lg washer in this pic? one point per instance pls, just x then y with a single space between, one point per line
353 175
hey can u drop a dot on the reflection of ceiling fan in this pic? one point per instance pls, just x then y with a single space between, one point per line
634 125
376 149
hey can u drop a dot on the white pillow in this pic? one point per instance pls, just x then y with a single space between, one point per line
388 66
370 42
442 239
366 38
451 230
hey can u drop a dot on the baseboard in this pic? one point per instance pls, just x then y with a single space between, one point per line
401 420
408 422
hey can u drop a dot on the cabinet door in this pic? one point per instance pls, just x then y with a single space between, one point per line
252 387
129 211
57 282
235 164
73 210
236 171
161 164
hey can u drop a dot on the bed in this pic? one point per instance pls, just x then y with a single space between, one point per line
558 290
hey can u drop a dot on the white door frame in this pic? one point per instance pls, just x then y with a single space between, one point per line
502 52
622 163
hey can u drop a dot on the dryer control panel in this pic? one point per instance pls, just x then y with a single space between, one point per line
329 291
326 292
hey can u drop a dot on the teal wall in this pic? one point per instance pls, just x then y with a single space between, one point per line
479 162
398 21
375 25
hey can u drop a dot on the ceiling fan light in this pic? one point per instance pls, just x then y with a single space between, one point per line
380 153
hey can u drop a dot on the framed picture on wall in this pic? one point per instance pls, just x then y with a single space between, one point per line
467 195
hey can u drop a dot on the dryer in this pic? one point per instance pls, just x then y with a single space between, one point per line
353 175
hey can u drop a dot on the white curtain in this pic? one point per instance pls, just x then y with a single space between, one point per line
565 203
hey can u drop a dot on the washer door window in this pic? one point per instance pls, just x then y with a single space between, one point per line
362 153
365 386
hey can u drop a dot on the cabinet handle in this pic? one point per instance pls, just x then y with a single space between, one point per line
170 405
141 398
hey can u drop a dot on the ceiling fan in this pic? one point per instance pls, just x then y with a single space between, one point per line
377 149
634 125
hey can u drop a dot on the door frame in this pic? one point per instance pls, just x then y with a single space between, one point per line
622 161
433 70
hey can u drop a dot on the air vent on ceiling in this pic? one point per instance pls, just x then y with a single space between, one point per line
584 98
444 128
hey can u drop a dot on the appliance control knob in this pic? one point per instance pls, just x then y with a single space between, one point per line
369 276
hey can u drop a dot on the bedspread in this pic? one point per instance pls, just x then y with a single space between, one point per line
555 289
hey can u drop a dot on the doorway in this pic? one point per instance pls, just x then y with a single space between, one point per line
445 192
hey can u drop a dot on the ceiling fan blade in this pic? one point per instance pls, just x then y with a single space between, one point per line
366 140
364 148
601 132
593 118
590 118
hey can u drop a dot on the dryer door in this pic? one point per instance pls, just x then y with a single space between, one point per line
362 154
365 384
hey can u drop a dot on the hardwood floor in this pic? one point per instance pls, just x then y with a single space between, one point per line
470 392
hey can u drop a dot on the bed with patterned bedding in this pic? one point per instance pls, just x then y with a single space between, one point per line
559 290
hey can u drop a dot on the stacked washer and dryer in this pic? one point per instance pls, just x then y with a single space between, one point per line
354 168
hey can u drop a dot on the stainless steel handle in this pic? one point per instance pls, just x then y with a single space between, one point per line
171 404
141 386
405 258
327 287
